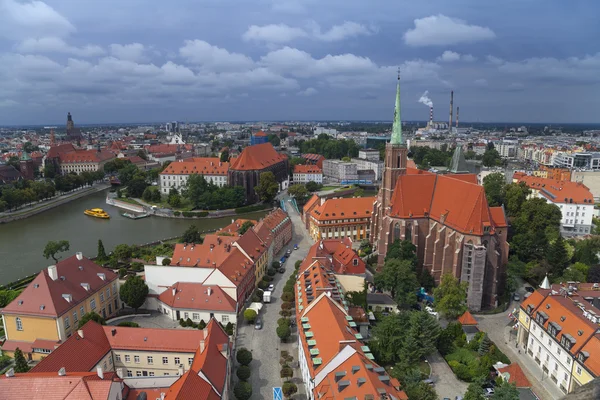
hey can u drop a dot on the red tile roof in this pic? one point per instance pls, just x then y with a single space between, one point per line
150 339
195 296
85 156
410 163
27 347
257 157
260 134
235 226
344 208
275 218
51 386
456 203
164 148
499 217
516 376
236 266
471 178
592 348
310 204
191 386
557 191
89 350
307 169
209 254
56 151
251 244
202 166
467 319
44 297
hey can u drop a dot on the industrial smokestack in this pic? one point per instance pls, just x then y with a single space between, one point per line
451 109
431 116
457 110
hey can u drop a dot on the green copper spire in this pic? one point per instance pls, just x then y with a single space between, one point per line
397 126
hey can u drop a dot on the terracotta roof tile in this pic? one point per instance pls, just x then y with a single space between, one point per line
257 157
260 134
471 178
213 360
56 151
344 208
151 339
274 218
251 244
44 297
499 217
592 349
557 191
85 156
191 387
310 204
307 169
202 166
209 254
467 319
236 266
235 226
516 376
196 296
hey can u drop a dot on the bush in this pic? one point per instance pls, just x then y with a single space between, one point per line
297 265
275 265
285 313
129 324
263 285
271 272
242 390
287 296
286 305
283 321
189 322
229 328
177 213
289 389
268 279
166 261
122 272
248 209
243 372
244 356
182 322
137 266
284 332
460 370
286 372
250 316
201 324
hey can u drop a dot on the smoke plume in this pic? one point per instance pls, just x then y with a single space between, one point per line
426 100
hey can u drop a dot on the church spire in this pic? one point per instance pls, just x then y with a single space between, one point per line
397 126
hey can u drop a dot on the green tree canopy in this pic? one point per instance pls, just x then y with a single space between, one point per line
399 278
245 226
313 186
491 158
242 390
506 391
299 192
516 194
54 247
191 235
20 362
494 186
403 250
267 187
244 356
451 297
91 316
101 251
558 257
133 292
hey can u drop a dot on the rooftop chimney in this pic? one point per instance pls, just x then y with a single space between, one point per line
113 332
209 291
120 373
100 372
52 272
10 373
79 255
180 370
62 372
80 333
202 344
174 291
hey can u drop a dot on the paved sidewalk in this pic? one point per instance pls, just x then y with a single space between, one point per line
446 384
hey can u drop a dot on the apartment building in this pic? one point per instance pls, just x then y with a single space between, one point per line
574 199
161 362
175 176
307 173
47 312
585 161
334 362
341 218
559 329
371 165
79 161
339 171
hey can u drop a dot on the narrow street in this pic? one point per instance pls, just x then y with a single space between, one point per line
264 343
446 384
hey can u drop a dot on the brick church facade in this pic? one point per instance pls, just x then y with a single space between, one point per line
446 217
245 170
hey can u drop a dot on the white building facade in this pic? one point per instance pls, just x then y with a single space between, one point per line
175 176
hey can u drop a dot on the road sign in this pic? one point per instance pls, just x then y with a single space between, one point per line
277 393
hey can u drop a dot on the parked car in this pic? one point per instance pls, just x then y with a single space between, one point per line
288 252
529 289
295 247
281 270
516 297
488 392
258 324
271 287
428 381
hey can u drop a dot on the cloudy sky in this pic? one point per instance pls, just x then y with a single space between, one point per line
207 60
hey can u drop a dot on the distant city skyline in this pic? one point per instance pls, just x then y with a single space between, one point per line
282 60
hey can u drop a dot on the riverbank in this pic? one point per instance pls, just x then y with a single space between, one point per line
38 208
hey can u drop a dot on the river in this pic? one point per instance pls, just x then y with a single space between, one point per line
22 242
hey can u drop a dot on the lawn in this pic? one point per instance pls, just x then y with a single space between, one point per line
425 368
328 188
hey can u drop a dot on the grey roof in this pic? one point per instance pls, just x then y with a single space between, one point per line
458 164
380 298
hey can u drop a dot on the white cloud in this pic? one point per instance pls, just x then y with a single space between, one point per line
494 60
214 58
130 52
438 30
308 92
58 45
340 32
576 69
452 56
279 33
20 20
481 82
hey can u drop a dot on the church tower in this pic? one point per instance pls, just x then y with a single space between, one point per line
395 156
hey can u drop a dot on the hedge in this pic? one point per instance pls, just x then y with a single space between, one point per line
252 208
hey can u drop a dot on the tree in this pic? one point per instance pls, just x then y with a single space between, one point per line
243 372
403 250
491 158
506 391
283 332
474 392
101 251
134 292
244 356
267 187
494 186
516 194
557 257
136 187
91 316
313 186
225 156
148 193
122 252
242 390
274 139
594 274
289 389
20 362
484 345
387 337
425 330
299 192
245 226
451 297
53 247
421 390
142 154
192 235
250 316
399 278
